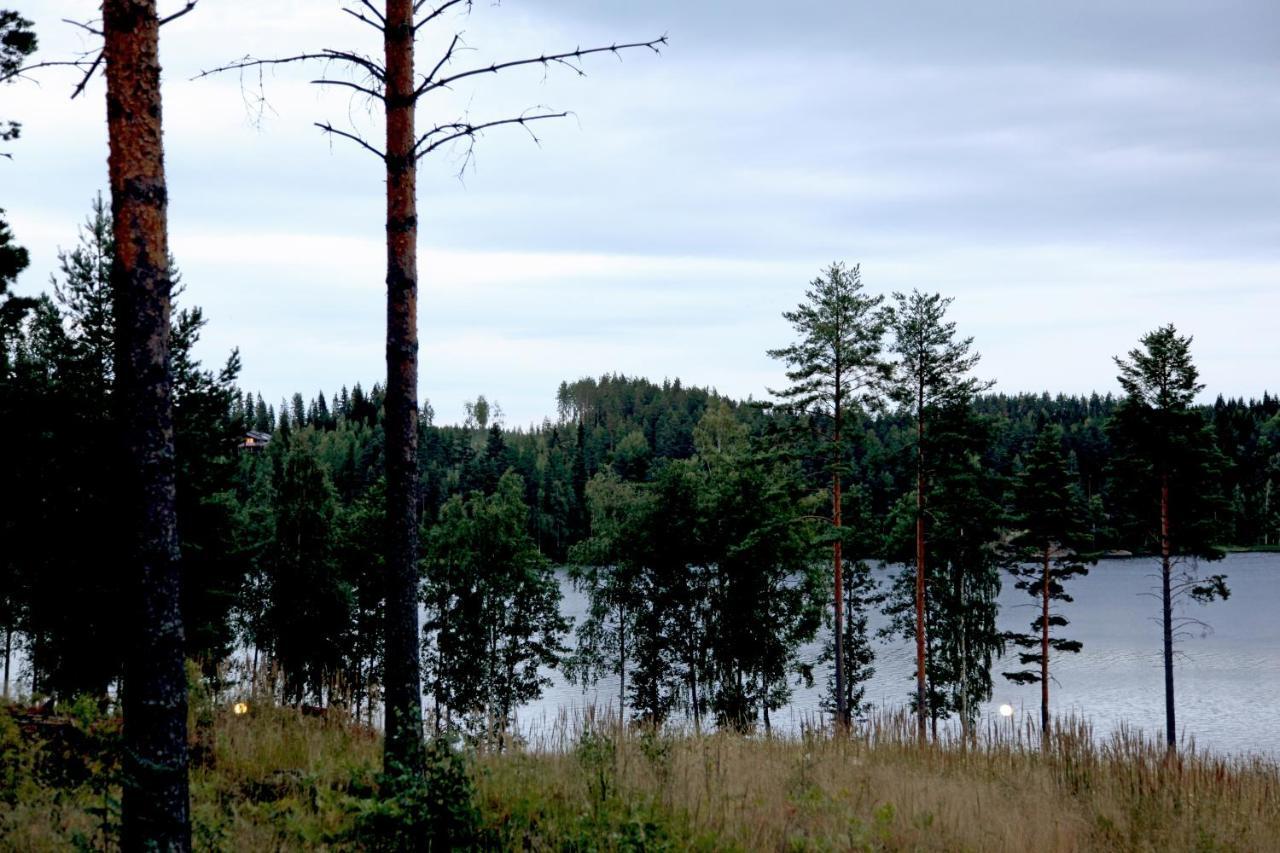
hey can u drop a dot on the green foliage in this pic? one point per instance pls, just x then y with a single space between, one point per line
493 610
432 810
1046 553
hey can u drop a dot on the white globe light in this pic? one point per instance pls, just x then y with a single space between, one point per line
240 708
1006 710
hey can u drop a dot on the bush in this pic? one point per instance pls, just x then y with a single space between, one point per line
433 811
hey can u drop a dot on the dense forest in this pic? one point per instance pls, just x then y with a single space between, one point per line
695 522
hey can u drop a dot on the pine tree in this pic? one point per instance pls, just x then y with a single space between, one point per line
932 375
1049 514
836 371
1167 474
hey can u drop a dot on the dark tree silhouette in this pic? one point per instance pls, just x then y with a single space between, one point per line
393 82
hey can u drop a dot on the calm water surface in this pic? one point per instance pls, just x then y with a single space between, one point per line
1227 681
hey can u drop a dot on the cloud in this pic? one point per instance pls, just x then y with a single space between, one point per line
1074 174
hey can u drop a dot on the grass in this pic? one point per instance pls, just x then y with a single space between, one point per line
276 780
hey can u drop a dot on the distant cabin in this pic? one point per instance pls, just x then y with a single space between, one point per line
254 440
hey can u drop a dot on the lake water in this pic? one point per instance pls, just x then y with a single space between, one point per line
1227 682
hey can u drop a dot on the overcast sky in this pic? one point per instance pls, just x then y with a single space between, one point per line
1074 174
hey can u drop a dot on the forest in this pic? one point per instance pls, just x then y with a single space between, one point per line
695 523
232 622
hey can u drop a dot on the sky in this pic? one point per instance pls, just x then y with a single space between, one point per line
1072 174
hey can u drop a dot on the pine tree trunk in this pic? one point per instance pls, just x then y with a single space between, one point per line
964 659
922 694
1044 652
403 751
1166 596
156 805
842 712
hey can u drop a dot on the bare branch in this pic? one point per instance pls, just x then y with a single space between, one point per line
359 17
444 60
325 81
328 128
191 4
87 28
458 130
327 54
437 12
565 59
377 13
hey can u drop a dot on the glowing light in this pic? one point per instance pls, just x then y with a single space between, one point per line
240 708
1006 710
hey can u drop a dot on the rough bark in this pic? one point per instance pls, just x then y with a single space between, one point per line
922 693
403 750
1166 595
156 810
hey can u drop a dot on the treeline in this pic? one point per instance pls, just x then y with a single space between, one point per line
696 524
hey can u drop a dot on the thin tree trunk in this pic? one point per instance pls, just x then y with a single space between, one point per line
922 694
1170 717
403 751
156 805
622 665
842 712
1044 652
964 659
8 649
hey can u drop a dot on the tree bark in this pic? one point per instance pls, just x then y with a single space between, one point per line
842 711
922 694
8 650
403 750
156 807
1166 596
1044 652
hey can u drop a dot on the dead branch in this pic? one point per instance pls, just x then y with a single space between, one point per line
191 4
326 54
435 13
458 130
328 128
567 59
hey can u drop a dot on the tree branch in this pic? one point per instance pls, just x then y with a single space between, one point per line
359 17
328 128
325 81
82 26
566 59
89 66
435 13
458 130
325 55
191 4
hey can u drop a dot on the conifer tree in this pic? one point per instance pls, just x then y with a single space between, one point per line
837 372
398 87
932 375
1167 472
1049 515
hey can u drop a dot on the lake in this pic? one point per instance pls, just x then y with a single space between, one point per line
1227 681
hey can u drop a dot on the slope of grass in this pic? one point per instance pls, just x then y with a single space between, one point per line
276 780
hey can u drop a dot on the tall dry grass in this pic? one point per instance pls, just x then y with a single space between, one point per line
277 780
